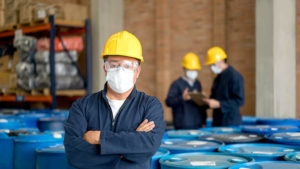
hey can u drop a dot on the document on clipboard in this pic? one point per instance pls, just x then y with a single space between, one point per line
198 98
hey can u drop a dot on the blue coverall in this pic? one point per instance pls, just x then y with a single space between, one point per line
121 146
186 114
228 89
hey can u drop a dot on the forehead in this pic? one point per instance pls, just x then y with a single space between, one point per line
121 58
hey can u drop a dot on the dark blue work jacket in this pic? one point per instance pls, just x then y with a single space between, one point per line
121 146
228 89
186 114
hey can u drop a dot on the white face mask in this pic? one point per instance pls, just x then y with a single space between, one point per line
216 69
120 79
191 74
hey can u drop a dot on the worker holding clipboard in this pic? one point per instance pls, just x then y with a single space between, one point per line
183 97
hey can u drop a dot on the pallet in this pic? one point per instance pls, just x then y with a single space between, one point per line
33 23
40 92
8 27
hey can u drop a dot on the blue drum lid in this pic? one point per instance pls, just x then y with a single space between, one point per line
203 160
295 156
229 138
186 133
249 120
286 138
161 152
268 165
19 131
266 129
59 148
221 129
52 119
181 144
277 121
259 149
38 137
10 124
33 115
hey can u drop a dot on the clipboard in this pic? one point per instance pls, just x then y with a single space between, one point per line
198 98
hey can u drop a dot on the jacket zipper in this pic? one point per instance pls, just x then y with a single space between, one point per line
111 113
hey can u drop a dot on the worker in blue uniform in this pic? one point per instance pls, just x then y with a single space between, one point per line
118 127
186 113
227 93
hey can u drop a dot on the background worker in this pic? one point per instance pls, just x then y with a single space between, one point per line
186 113
118 127
227 93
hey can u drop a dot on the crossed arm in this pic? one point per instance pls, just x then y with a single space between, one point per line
93 137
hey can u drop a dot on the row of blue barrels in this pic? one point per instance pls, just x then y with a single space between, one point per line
227 155
252 120
30 149
43 119
183 141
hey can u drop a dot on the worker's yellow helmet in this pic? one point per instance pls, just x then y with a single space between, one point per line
123 44
214 55
191 61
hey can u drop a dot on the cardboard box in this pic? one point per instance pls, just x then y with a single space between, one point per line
8 63
8 80
2 17
5 63
74 12
11 17
2 4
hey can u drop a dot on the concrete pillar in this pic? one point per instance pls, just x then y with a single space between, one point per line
106 19
162 44
276 58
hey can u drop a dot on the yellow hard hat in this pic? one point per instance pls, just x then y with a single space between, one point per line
124 44
190 61
214 55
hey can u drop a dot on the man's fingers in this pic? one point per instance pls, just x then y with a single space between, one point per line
149 128
146 127
149 124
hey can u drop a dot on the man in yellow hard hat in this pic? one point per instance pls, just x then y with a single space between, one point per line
227 93
118 127
186 113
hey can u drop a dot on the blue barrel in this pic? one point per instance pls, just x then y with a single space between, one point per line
266 129
159 154
234 138
268 165
249 120
290 138
53 123
186 134
176 146
295 156
60 113
222 129
202 161
25 145
260 151
277 121
209 122
30 119
6 153
7 145
10 124
52 157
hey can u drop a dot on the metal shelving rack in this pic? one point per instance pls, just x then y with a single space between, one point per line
74 28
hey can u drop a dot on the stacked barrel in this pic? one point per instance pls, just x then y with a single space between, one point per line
258 143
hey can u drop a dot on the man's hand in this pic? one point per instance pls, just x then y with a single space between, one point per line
186 95
146 126
92 137
212 103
